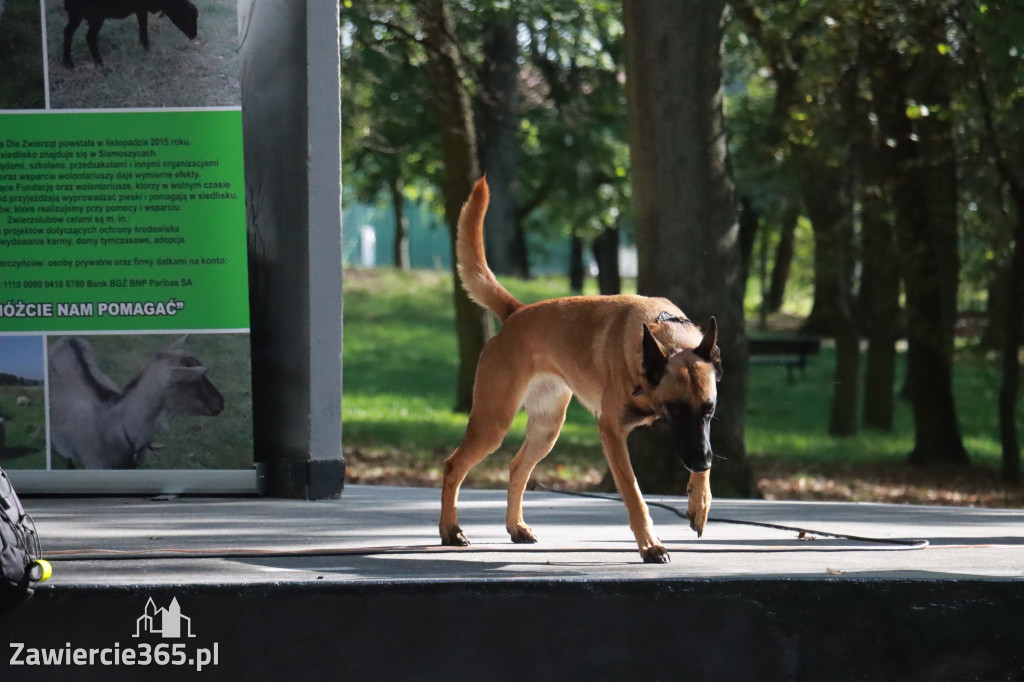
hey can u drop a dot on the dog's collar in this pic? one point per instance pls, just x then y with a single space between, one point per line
668 317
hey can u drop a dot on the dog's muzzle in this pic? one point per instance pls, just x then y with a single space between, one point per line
691 435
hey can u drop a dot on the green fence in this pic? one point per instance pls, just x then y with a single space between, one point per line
428 236
428 240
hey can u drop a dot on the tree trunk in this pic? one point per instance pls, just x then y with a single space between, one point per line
458 142
784 252
1006 314
749 219
577 266
843 416
995 295
1011 323
499 145
521 250
935 267
606 253
401 244
882 308
924 197
826 195
880 292
831 216
687 232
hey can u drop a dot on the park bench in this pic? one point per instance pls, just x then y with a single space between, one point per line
784 351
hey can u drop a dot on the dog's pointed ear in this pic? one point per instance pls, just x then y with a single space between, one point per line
655 359
710 340
708 348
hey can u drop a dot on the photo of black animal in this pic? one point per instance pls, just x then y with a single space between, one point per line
22 85
182 14
95 424
174 71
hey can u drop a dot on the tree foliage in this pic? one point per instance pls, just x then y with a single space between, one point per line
571 163
892 128
882 112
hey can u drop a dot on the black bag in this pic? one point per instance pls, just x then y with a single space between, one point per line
19 549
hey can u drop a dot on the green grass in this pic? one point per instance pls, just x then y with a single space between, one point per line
174 72
400 359
24 427
789 420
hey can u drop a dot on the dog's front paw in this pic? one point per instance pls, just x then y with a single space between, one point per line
454 537
655 554
522 534
699 503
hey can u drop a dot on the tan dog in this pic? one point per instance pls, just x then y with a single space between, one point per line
629 360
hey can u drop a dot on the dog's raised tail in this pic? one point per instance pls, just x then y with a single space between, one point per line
477 278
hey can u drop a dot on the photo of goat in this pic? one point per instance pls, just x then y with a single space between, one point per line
22 402
106 54
150 401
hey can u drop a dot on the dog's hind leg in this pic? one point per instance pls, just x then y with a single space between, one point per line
497 397
546 402
483 437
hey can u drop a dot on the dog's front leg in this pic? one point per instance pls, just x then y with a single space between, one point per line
614 441
699 490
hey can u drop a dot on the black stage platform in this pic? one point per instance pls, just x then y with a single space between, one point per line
358 589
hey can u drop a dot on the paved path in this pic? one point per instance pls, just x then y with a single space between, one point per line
388 534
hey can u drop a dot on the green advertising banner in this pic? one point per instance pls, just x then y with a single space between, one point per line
122 221
124 308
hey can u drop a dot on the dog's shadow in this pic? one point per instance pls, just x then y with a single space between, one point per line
414 565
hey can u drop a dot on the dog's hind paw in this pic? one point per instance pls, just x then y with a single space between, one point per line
655 554
454 537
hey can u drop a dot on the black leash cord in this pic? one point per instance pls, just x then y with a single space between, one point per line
906 544
240 553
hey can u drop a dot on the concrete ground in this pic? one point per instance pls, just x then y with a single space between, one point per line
389 535
358 588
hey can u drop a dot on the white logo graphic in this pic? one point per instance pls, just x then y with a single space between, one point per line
167 622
